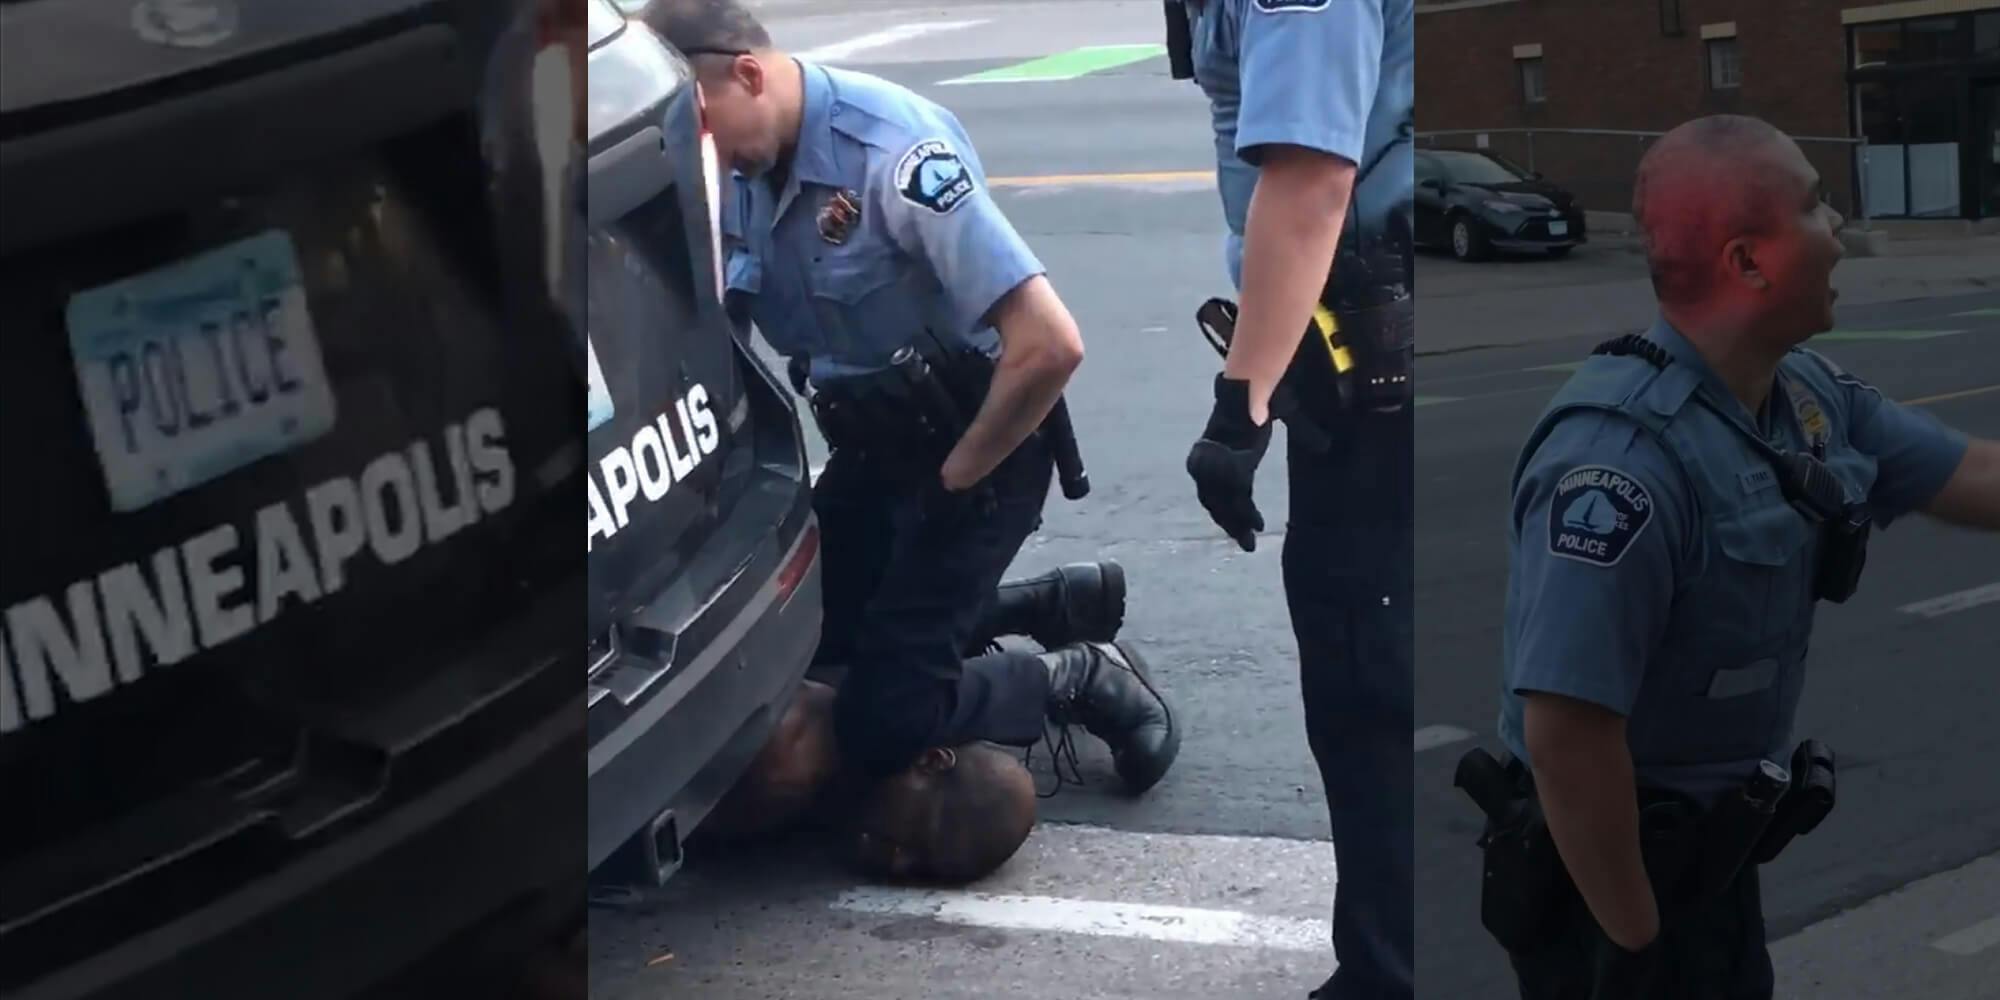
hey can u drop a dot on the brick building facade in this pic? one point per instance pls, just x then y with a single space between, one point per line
1919 80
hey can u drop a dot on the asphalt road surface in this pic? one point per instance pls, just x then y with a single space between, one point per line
1219 882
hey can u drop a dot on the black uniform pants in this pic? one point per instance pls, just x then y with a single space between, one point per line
1348 582
908 571
1714 951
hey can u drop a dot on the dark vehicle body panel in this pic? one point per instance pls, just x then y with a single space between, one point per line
704 600
299 791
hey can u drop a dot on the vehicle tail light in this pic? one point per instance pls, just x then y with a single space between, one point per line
795 569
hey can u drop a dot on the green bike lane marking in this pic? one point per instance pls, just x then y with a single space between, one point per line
1848 335
1069 65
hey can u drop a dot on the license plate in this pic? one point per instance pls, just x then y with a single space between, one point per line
197 369
601 409
1559 228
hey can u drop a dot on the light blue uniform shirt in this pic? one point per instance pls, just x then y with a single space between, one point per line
924 249
1656 567
1336 76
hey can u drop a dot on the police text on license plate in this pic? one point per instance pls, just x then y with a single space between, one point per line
194 370
1559 227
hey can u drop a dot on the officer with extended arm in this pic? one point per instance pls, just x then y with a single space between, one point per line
1686 500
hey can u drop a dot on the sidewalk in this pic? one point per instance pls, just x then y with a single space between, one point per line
1603 290
1938 938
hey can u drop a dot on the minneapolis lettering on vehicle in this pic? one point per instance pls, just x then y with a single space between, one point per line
109 630
658 457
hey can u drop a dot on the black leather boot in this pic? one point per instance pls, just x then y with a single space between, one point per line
1080 602
1105 687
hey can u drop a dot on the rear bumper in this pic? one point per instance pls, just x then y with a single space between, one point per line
680 751
484 865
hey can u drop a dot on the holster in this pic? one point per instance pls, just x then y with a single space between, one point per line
1521 876
1374 353
1810 800
909 415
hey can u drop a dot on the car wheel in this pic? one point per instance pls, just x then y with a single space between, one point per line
1466 243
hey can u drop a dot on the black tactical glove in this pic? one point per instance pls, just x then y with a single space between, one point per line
1224 462
1617 974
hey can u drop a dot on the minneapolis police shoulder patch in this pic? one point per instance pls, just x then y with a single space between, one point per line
932 175
1289 6
1596 513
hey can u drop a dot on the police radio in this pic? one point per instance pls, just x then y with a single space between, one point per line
1813 490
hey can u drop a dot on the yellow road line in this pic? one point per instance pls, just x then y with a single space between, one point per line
1961 394
1141 177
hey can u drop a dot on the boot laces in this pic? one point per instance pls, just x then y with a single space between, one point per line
1062 748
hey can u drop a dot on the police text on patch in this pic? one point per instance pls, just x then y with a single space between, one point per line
1596 513
932 176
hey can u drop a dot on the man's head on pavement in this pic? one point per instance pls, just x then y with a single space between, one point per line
954 816
751 90
1738 235
782 783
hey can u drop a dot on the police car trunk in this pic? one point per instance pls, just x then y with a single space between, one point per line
704 603
287 424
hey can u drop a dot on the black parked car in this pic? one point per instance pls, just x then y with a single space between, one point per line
704 553
289 474
1474 201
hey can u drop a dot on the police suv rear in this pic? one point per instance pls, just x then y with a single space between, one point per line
288 473
704 555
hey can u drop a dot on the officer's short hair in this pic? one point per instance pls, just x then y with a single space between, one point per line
1716 157
698 27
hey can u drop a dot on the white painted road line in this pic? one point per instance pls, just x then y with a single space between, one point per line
1178 924
1959 601
1432 737
1972 940
836 51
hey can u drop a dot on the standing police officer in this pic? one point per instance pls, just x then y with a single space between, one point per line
859 226
1312 110
1681 506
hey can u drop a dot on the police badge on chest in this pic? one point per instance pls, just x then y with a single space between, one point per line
838 216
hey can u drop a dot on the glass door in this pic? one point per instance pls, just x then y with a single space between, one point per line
1986 136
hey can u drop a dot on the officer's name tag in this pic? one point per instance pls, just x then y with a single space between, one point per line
1290 6
1596 513
1757 480
1736 682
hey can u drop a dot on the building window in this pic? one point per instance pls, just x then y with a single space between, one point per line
1531 80
1878 44
1912 157
1935 38
1670 18
1724 72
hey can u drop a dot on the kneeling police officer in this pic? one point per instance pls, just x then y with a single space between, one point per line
1683 504
861 241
